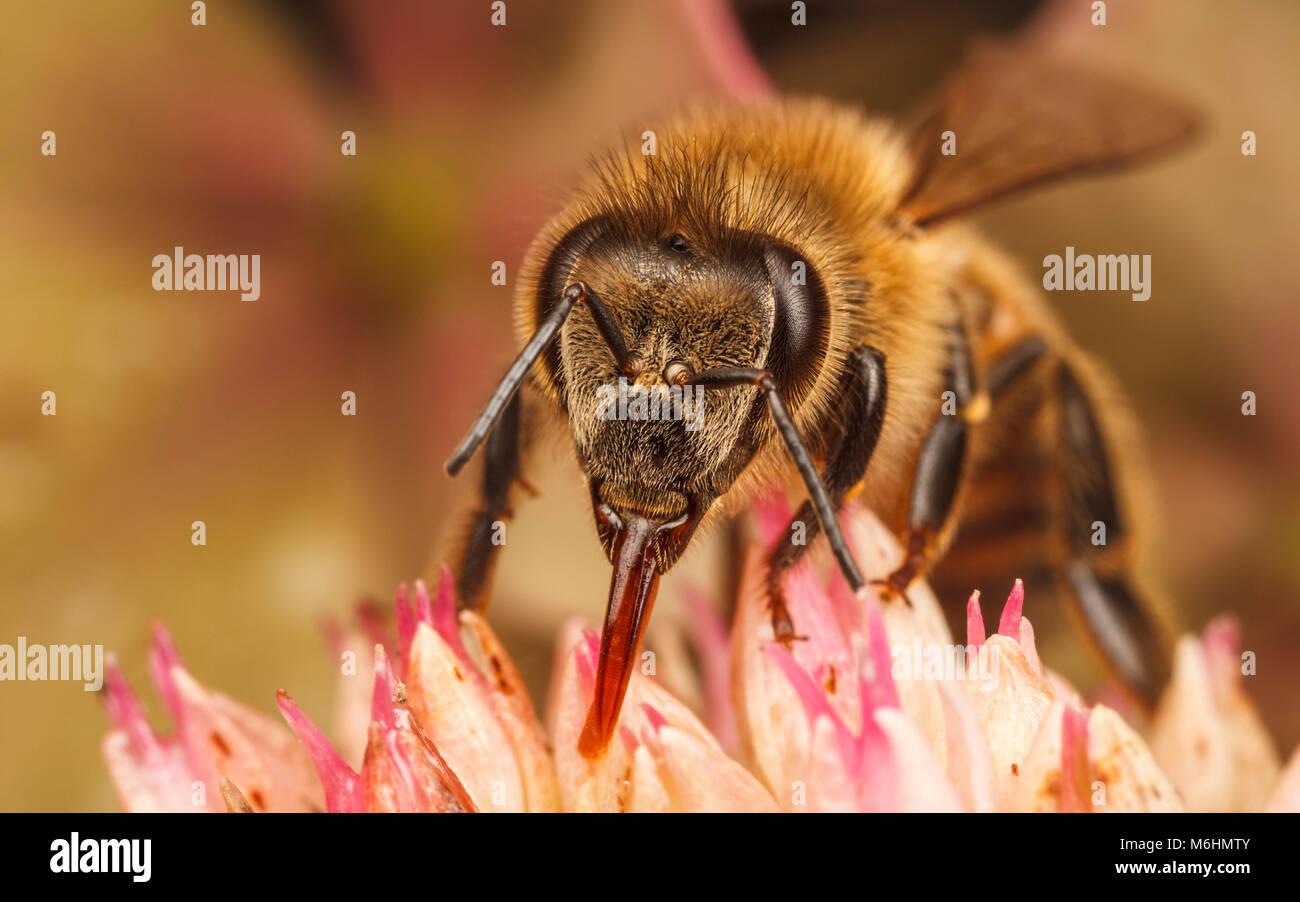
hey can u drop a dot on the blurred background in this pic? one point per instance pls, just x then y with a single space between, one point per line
175 407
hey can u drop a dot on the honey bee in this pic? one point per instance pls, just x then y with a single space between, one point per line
792 259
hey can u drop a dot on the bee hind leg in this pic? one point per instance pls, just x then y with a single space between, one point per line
863 388
1095 573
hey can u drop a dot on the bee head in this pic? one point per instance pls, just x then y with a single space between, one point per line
653 443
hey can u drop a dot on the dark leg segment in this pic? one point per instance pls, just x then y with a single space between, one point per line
731 376
941 465
577 293
498 425
1095 577
500 470
863 389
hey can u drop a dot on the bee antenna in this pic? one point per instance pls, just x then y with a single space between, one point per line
514 376
729 376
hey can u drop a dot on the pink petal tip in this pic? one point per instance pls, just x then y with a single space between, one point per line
1010 623
974 621
341 783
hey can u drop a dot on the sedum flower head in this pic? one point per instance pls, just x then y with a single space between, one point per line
873 709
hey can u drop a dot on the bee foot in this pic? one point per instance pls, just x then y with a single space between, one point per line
893 586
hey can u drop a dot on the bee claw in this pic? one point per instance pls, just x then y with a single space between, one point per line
782 624
893 586
788 640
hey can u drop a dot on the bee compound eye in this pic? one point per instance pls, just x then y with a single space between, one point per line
678 372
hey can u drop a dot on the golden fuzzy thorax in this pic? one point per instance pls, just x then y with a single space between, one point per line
819 178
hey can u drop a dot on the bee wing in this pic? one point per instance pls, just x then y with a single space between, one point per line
1019 118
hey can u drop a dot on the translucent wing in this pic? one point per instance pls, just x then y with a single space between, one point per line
1019 118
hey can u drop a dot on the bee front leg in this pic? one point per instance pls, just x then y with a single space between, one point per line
498 425
863 390
484 526
1096 571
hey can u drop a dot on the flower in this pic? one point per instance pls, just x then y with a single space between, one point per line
476 708
883 763
830 724
216 738
478 716
457 733
873 709
1007 688
402 769
1091 760
662 757
1206 733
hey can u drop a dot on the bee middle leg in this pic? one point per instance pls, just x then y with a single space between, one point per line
863 389
941 465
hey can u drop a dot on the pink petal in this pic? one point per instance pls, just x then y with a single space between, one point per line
1010 624
148 774
444 616
461 714
827 651
1221 640
586 654
125 712
966 751
162 659
423 607
713 647
381 707
403 773
1075 780
697 777
772 514
514 708
920 783
665 759
880 679
1119 756
1010 699
341 783
725 48
974 621
156 783
1206 733
1028 646
655 719
811 695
